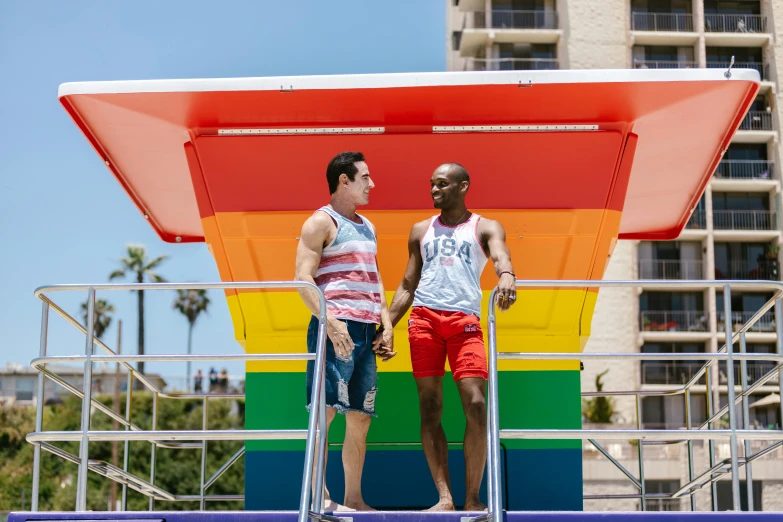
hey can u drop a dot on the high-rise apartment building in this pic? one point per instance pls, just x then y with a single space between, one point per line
735 232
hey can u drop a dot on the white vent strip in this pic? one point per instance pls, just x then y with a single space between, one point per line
302 130
515 128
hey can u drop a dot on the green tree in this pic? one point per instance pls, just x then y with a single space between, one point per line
191 303
177 471
599 410
101 316
138 267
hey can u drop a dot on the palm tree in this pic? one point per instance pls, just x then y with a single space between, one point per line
101 316
191 303
137 266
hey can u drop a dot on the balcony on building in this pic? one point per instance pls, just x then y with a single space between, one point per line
696 226
508 21
671 372
735 22
757 126
742 215
746 261
671 260
516 57
745 167
673 313
662 22
755 369
663 57
744 306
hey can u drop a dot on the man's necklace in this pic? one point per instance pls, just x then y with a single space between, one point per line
455 224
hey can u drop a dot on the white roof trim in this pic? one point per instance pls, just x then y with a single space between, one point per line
377 81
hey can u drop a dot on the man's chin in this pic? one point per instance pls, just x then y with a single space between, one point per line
437 204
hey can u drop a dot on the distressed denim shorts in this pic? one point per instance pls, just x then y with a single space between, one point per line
351 382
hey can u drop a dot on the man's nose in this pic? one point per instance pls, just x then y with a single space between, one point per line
372 184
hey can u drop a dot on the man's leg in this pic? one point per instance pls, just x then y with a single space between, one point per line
328 504
472 392
433 438
354 449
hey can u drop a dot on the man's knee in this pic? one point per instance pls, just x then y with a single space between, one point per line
358 422
431 407
476 409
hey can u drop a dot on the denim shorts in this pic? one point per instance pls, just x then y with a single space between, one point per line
351 382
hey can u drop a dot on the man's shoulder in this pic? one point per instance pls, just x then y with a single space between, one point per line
318 225
488 225
419 229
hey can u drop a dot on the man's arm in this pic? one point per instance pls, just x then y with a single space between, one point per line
383 345
315 232
494 237
403 297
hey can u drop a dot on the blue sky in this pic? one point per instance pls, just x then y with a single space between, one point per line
63 217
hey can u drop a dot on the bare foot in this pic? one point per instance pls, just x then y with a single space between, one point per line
332 506
474 505
445 504
357 505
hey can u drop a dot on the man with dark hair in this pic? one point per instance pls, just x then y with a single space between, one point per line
447 254
337 253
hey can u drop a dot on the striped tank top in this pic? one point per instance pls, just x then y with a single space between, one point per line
453 260
348 273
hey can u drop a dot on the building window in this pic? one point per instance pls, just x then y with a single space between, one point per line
24 389
668 412
724 495
662 487
746 7
671 372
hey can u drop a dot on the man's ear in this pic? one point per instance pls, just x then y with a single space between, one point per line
343 179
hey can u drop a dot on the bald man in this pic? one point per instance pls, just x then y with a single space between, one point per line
447 254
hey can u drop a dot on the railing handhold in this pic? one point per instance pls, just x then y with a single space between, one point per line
727 74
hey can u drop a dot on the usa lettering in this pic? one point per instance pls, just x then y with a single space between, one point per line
446 248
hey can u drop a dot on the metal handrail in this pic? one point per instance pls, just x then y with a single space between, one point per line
734 23
680 22
745 169
316 422
494 433
511 64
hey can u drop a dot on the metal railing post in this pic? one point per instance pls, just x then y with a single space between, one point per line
490 467
312 425
39 408
126 453
735 487
711 443
643 487
154 448
690 444
203 452
779 343
318 500
496 503
81 481
746 422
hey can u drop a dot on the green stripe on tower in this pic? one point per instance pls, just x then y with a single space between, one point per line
528 399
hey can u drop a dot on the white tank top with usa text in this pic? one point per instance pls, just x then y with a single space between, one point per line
452 264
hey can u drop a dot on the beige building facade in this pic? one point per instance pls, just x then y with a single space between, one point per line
735 233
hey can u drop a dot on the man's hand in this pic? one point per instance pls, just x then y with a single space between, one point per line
383 345
338 333
507 292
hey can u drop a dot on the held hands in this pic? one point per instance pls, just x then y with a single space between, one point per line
338 333
383 345
507 291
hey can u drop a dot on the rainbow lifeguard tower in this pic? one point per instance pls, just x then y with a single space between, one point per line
569 161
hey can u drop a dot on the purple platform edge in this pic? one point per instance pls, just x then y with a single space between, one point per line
394 516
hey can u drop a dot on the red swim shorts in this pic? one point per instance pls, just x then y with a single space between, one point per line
435 334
